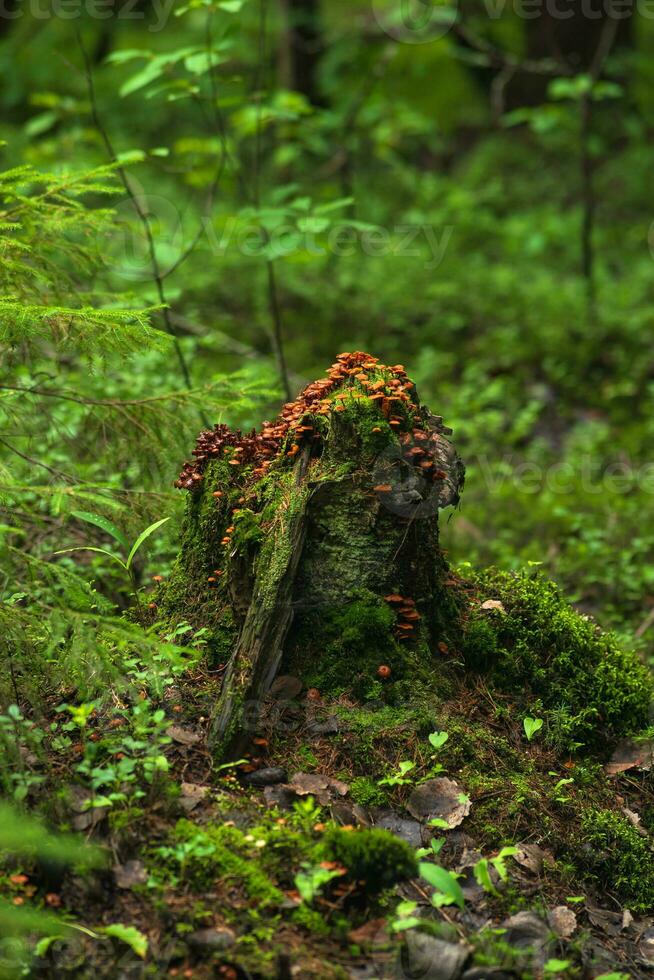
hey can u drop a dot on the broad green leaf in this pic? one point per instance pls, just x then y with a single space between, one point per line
448 889
99 521
231 6
314 225
142 537
129 935
200 62
127 54
343 202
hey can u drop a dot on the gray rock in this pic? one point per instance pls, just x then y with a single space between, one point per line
281 796
527 931
210 939
427 958
408 830
266 777
326 726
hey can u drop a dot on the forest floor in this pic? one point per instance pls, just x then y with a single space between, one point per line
213 876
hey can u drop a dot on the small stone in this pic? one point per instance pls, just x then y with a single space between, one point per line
526 930
404 828
281 796
269 776
327 727
432 959
210 939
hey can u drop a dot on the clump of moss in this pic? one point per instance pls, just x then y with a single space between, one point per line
365 791
613 851
201 855
376 857
536 643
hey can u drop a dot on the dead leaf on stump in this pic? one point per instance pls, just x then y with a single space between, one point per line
631 755
322 787
441 799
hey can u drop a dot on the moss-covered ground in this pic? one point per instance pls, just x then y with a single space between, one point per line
237 881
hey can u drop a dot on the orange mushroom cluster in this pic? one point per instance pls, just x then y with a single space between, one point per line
390 390
406 613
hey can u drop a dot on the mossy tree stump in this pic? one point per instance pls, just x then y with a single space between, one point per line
312 546
311 549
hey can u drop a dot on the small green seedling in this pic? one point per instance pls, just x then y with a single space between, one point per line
434 849
399 778
482 869
532 726
438 739
404 917
312 880
556 966
559 796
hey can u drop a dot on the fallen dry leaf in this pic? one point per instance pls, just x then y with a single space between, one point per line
631 755
192 794
441 799
532 857
563 921
183 736
285 687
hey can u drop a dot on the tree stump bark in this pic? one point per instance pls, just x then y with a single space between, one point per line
316 539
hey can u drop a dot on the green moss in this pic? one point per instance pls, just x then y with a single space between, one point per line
614 853
203 854
355 640
311 920
376 857
365 791
540 648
